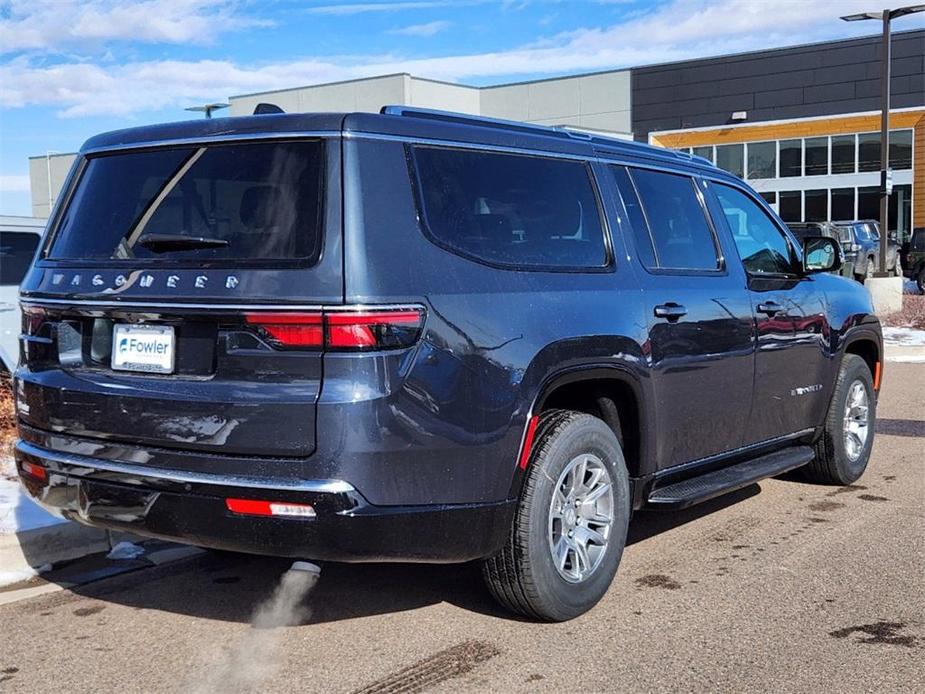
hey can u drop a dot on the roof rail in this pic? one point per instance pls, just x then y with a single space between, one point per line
467 119
561 131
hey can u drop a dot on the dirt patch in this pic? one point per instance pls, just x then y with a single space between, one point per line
912 314
847 488
878 632
87 611
814 519
825 506
453 662
658 581
872 497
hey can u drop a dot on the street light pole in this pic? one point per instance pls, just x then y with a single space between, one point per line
886 16
885 59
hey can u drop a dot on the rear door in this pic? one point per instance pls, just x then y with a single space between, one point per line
700 328
791 365
177 301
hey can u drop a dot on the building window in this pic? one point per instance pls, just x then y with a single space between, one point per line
816 206
762 160
842 204
706 152
730 158
900 219
869 152
869 202
817 156
900 149
770 197
790 205
843 154
791 158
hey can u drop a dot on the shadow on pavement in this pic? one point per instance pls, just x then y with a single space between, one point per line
227 587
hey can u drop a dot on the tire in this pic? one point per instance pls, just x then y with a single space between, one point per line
524 576
920 281
838 461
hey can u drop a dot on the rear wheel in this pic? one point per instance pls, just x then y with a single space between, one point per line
843 450
570 527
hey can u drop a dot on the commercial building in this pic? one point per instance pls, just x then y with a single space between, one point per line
800 123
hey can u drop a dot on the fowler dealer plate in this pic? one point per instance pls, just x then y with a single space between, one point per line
143 348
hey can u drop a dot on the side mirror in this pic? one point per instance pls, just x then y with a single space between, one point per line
821 254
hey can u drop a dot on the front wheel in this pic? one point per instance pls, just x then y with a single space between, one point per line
844 449
570 527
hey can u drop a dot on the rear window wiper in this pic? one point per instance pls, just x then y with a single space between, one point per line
164 243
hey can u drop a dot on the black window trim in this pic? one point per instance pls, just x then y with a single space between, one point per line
80 167
609 265
789 236
721 268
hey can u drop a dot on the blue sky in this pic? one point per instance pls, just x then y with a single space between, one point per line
72 68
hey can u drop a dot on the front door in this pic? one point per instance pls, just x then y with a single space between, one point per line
700 329
791 365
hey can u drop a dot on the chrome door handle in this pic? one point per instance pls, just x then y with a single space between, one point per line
670 311
770 308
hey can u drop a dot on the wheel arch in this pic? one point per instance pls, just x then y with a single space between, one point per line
609 392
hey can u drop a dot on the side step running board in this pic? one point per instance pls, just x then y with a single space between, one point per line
693 491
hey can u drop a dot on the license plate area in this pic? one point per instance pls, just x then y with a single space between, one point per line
146 348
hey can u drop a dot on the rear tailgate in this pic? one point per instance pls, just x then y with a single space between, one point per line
152 314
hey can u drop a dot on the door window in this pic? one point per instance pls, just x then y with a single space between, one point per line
677 221
762 245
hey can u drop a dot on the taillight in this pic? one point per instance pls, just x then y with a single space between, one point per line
373 330
32 319
34 471
348 329
257 507
298 330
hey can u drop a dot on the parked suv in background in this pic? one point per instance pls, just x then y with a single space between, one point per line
423 336
913 258
861 241
803 230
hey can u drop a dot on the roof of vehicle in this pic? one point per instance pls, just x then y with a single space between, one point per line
399 121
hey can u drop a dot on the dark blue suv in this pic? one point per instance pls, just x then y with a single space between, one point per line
422 336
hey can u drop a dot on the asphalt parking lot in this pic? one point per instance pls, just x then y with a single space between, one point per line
783 586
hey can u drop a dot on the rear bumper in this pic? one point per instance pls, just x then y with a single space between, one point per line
189 507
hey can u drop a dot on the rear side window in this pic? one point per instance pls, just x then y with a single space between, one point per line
16 251
242 202
511 210
677 222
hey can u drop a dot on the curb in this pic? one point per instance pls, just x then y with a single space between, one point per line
910 354
50 544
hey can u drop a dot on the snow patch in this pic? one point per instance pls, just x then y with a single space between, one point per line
19 513
9 577
907 337
126 550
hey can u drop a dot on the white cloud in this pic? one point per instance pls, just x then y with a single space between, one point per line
57 25
428 29
681 30
364 7
14 183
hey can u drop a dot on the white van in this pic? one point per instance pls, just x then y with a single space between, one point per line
19 237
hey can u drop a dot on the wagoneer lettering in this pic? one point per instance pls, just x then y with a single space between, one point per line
419 336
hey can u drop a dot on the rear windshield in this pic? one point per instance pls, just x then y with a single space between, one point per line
241 202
